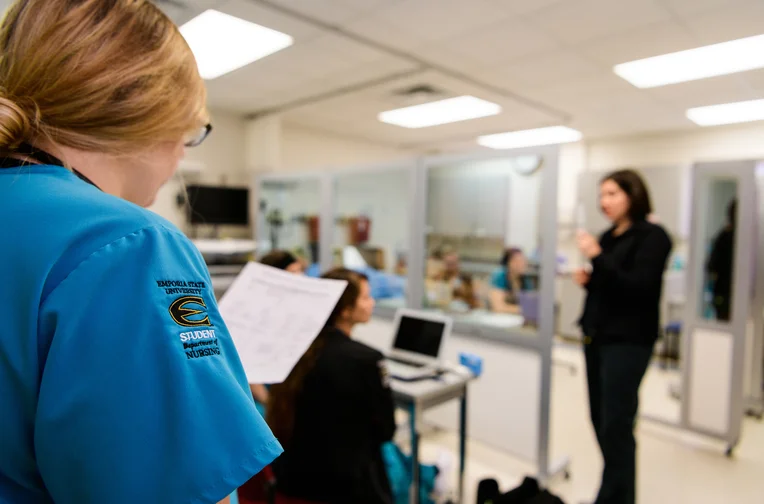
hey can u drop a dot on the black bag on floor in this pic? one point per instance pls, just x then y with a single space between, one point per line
546 498
528 492
488 490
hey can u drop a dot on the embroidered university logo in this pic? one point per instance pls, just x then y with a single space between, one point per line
190 311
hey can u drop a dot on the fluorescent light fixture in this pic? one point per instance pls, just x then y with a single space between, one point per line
693 64
222 43
434 113
531 138
727 113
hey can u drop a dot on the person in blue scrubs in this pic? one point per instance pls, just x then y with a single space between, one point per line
119 381
508 281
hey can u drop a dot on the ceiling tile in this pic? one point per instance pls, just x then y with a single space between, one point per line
728 23
755 80
527 6
378 70
434 20
502 42
577 95
628 112
368 5
328 11
610 126
270 18
384 33
652 40
440 56
724 89
179 12
574 22
349 50
695 7
547 69
308 62
305 89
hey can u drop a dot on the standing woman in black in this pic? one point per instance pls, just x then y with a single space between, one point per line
621 322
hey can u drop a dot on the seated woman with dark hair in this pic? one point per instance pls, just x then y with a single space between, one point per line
508 281
283 260
335 410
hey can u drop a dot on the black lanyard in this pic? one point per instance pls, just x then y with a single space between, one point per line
40 156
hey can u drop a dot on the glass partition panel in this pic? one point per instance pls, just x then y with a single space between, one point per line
719 242
371 234
288 218
482 241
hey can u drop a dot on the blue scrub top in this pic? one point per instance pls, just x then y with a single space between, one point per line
119 381
499 281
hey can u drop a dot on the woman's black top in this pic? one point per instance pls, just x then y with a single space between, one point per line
343 415
720 263
624 292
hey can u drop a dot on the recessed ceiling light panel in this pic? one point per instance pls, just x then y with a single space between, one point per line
727 113
693 64
439 112
531 138
223 43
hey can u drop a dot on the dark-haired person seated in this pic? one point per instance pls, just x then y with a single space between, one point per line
508 281
283 260
335 410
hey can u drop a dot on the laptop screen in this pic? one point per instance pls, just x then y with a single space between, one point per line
419 336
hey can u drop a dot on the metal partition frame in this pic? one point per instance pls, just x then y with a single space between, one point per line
703 173
539 343
755 400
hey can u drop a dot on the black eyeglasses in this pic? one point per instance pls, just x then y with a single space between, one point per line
196 139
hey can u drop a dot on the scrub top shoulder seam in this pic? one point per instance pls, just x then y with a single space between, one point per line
157 226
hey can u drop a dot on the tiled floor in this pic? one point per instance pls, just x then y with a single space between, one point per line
674 467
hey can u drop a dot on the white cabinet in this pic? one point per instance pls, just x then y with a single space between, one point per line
467 204
492 205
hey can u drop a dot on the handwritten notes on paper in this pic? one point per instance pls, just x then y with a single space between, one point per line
273 317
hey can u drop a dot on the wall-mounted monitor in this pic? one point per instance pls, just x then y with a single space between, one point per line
218 205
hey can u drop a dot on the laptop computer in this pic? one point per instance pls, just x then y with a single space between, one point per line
416 347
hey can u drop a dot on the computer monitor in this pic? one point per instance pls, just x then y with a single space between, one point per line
420 334
218 205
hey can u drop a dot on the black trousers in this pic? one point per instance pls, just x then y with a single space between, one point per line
722 307
614 373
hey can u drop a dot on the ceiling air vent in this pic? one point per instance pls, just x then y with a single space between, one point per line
414 95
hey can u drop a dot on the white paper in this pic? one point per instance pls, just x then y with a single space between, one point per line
273 317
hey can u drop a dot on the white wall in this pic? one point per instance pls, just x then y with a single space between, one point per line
383 198
308 149
222 156
295 199
701 144
486 198
225 156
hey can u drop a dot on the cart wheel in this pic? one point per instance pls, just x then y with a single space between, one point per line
729 452
566 475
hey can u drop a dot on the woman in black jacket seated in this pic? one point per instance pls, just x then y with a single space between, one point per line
335 410
621 322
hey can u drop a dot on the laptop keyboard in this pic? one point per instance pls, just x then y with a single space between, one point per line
406 362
